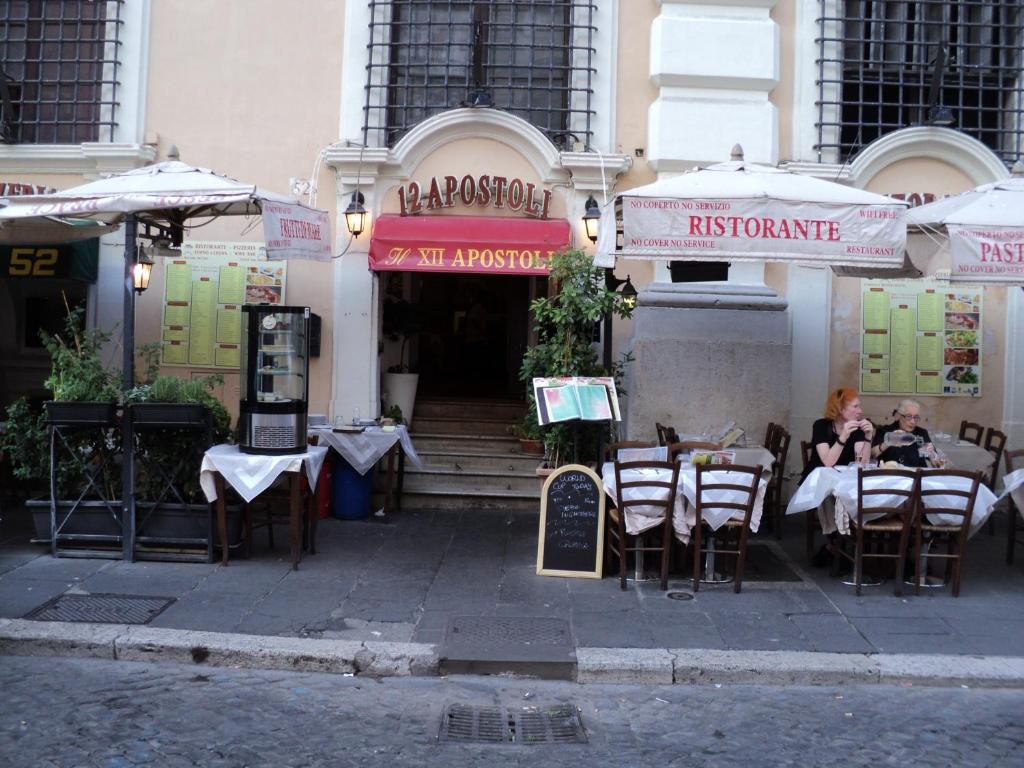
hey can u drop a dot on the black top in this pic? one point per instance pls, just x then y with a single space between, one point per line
907 455
824 431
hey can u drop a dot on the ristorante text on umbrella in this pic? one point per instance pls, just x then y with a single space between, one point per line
763 227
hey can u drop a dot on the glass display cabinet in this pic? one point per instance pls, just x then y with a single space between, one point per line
274 379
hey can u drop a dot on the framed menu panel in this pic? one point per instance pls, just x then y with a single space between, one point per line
204 291
920 337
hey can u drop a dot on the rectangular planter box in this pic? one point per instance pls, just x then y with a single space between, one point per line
91 518
184 525
169 414
70 413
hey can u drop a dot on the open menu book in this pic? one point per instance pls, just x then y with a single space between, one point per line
587 398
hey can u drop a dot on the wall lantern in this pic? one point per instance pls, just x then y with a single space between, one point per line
141 271
628 295
355 215
592 218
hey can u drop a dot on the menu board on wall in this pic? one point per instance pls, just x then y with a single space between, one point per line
920 337
204 291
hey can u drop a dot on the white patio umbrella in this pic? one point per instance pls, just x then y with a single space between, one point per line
164 195
980 233
47 229
739 211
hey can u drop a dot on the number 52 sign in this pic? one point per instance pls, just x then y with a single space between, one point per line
77 261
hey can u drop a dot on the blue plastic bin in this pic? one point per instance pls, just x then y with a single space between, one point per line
350 497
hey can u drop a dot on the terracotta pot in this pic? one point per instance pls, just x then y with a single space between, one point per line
531 447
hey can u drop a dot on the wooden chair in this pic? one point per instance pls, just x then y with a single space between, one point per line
674 449
773 496
737 528
666 434
971 432
897 522
1014 461
955 535
611 451
995 443
771 436
811 521
658 492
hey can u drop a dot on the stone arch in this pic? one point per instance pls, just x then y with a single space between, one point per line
466 123
967 154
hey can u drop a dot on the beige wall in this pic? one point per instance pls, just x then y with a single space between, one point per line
945 413
784 14
257 101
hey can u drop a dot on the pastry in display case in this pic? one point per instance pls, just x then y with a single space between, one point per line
274 379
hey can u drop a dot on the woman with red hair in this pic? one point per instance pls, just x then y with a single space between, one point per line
842 437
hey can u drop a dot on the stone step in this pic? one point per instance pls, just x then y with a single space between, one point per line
457 461
502 410
463 426
471 481
431 441
472 501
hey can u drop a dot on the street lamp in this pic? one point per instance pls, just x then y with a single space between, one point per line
628 293
592 218
355 215
141 271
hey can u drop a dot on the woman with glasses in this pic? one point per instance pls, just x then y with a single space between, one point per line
904 441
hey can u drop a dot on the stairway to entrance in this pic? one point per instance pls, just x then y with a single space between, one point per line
470 461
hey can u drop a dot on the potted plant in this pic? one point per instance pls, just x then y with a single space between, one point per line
530 435
85 480
565 326
174 421
399 383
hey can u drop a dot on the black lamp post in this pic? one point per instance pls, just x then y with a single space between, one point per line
629 294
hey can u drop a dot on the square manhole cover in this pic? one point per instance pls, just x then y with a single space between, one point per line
555 724
101 609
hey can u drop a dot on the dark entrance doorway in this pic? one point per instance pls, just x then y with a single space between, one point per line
472 332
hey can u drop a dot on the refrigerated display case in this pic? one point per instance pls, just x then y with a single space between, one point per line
275 379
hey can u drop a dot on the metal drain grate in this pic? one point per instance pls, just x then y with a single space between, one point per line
524 631
101 609
557 724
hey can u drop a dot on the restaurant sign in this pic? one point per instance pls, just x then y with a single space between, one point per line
477 244
987 254
737 230
504 192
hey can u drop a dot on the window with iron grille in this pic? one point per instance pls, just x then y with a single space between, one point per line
59 70
533 58
890 64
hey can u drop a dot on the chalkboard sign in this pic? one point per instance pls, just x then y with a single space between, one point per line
571 536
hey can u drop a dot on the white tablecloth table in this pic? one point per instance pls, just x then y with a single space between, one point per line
966 456
639 519
840 483
364 449
252 474
1013 486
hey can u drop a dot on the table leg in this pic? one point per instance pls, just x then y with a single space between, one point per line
401 477
389 484
222 517
295 516
313 510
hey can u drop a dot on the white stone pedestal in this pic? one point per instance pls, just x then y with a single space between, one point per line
706 354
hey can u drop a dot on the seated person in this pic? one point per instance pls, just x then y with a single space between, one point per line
908 416
843 436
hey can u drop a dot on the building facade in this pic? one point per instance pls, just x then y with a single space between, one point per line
417 108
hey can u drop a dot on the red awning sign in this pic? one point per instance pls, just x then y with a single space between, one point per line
477 244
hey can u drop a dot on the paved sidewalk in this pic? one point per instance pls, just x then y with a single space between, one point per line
401 581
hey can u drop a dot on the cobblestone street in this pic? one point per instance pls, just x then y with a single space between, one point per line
61 712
